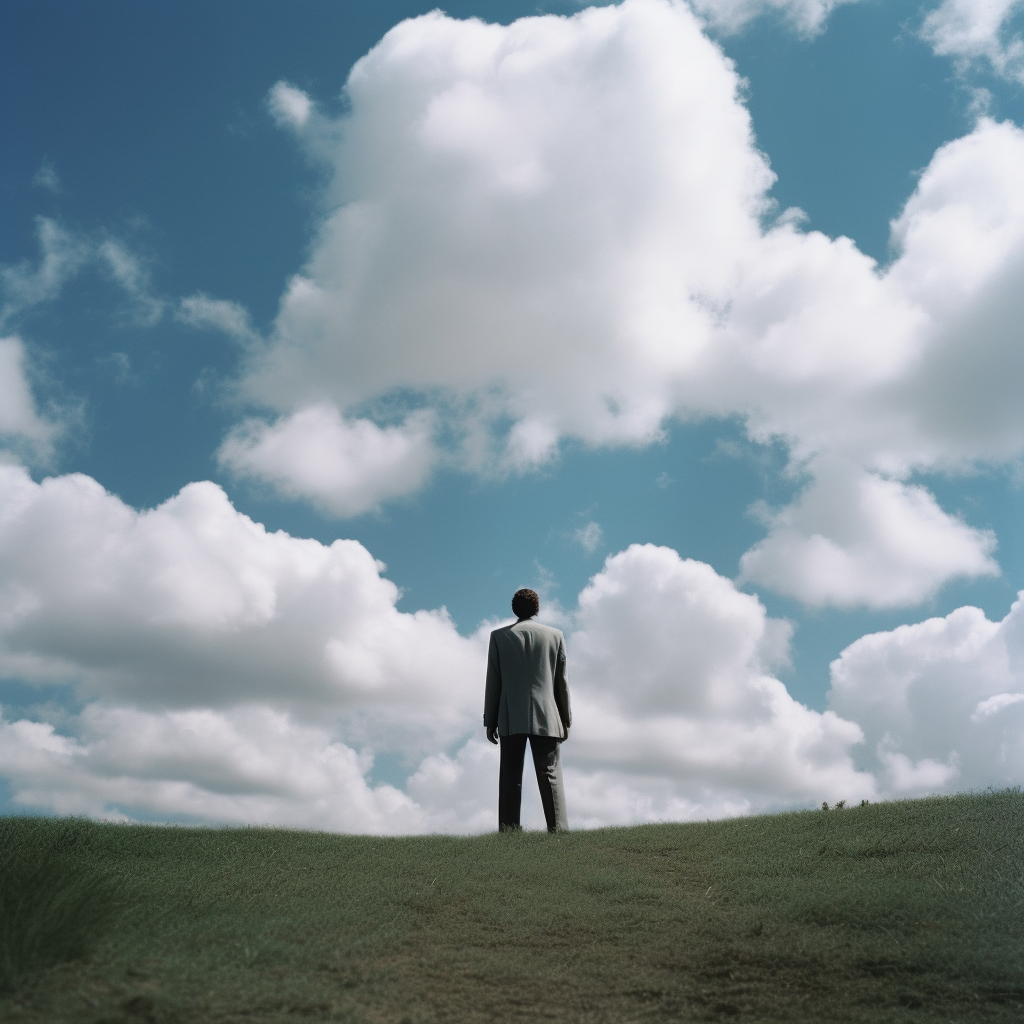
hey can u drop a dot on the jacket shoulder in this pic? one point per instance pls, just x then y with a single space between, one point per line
529 626
544 630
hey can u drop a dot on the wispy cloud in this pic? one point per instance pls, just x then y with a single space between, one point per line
63 254
806 17
47 178
230 318
23 428
589 536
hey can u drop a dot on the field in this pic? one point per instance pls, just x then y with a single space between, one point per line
910 911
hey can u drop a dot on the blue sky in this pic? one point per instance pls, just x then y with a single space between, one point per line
188 161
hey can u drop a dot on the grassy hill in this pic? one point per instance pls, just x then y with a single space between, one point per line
909 911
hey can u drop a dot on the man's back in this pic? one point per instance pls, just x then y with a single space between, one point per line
527 689
527 701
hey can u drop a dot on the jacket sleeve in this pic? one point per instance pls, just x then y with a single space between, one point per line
492 693
562 686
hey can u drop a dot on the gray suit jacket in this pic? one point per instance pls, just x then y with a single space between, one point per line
527 689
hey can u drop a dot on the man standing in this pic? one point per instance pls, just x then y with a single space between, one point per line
527 697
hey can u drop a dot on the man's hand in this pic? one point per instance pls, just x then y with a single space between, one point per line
492 734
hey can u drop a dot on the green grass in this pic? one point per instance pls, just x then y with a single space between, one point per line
908 911
53 902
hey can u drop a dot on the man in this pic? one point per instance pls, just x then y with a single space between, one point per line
527 697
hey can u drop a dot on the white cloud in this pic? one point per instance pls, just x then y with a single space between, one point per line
231 318
910 368
345 467
993 705
128 271
246 766
962 241
191 604
63 255
21 425
854 538
924 376
555 229
977 30
807 17
523 212
673 700
532 442
589 536
289 105
459 793
941 702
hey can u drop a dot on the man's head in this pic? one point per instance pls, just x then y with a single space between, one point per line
525 604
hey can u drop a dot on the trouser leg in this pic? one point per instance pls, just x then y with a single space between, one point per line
547 762
510 781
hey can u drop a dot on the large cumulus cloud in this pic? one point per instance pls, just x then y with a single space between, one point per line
193 604
563 228
520 209
243 766
676 689
941 702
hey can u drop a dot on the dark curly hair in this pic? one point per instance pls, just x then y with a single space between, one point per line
525 603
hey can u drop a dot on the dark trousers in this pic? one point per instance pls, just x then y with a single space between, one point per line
548 765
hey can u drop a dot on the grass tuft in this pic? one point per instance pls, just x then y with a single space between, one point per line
55 903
